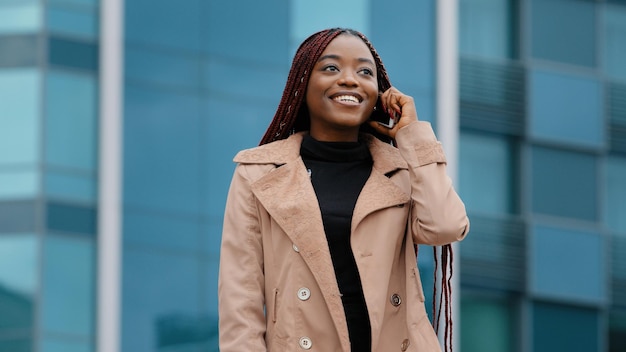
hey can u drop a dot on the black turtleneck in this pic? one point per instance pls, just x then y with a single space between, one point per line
338 172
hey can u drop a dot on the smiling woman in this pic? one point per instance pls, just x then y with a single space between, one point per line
342 90
322 220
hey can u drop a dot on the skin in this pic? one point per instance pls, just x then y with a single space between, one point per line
347 68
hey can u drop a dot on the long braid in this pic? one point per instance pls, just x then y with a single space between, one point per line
447 257
292 114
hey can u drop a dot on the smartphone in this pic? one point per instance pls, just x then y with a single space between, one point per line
383 118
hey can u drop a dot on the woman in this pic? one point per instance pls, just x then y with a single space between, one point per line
322 219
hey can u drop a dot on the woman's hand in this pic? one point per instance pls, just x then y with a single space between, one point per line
399 104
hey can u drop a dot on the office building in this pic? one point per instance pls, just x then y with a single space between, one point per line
541 161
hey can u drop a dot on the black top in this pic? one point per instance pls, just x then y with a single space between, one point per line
338 172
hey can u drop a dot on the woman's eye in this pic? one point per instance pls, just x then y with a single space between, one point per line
367 71
331 68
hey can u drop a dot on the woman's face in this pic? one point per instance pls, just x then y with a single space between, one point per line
342 90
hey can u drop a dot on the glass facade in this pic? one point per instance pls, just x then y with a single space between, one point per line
560 160
542 159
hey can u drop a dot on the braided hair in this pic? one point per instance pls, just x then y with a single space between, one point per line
292 114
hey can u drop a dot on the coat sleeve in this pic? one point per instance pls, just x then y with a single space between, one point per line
437 213
241 284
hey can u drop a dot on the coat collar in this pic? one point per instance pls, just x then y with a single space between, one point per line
387 159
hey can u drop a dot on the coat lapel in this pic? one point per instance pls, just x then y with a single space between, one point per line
380 191
288 196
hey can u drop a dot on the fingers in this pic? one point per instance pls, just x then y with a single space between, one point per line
401 104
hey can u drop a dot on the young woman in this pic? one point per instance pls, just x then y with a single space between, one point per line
322 219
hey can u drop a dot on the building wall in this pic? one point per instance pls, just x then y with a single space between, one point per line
542 149
542 160
48 168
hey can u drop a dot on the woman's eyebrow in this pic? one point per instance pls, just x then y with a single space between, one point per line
337 57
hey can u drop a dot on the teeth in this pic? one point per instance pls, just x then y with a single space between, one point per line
350 98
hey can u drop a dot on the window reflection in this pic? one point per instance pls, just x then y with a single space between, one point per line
71 120
488 324
20 17
487 169
171 315
68 301
308 17
571 39
615 37
18 281
567 108
558 327
564 183
20 102
486 28
615 189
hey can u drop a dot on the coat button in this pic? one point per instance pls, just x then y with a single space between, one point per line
405 345
304 294
395 300
305 343
295 248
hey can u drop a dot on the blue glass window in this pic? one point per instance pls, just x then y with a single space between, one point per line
69 21
77 186
16 345
617 331
85 3
487 174
20 100
19 50
161 230
212 273
18 183
308 17
615 191
212 229
615 37
154 301
71 120
73 54
568 255
18 281
18 216
486 28
488 325
71 218
259 83
564 184
269 46
252 121
566 108
564 328
56 345
68 301
175 69
20 17
162 139
412 67
570 40
170 24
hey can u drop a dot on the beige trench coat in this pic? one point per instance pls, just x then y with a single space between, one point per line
277 286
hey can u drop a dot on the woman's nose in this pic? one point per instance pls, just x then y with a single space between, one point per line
347 79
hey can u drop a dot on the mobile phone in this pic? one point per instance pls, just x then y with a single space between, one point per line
383 118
